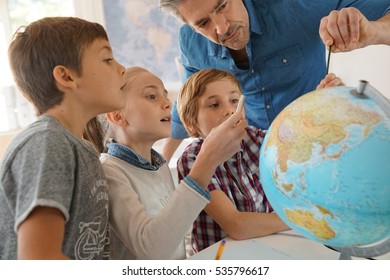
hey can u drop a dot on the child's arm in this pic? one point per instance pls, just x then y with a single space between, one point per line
41 235
238 225
242 225
150 236
330 80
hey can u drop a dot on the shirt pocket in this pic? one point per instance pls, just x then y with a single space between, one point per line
284 58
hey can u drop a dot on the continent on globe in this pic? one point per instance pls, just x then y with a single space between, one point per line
321 229
318 123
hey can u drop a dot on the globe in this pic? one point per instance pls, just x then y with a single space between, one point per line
325 166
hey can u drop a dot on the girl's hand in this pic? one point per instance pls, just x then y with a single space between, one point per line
220 145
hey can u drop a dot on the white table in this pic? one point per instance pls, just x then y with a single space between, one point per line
287 245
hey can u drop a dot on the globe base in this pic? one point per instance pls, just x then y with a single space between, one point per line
368 252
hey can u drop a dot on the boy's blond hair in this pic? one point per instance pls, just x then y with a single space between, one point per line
41 46
192 90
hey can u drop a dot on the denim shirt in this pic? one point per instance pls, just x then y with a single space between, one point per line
128 155
286 55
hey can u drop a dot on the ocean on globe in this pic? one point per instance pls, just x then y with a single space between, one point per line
325 167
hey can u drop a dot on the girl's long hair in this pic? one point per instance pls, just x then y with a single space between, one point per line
94 132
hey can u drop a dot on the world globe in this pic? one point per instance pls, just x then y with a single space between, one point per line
325 166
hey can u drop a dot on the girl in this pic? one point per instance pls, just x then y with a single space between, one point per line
149 218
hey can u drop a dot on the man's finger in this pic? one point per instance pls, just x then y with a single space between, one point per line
354 24
333 29
343 27
324 34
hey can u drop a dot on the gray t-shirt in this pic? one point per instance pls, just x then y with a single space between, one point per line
45 165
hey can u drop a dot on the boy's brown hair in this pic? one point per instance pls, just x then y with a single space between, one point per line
195 87
44 44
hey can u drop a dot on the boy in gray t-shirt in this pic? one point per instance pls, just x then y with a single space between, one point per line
53 193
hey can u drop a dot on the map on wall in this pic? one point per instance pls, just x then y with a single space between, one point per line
143 35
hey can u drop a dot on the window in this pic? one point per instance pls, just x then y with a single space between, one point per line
15 111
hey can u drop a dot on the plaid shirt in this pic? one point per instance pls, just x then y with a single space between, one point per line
238 178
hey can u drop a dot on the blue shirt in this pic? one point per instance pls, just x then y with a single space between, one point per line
286 55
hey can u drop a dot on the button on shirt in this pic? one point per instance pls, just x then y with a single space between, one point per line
286 55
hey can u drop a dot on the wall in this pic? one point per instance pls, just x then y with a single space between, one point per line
141 34
371 64
5 139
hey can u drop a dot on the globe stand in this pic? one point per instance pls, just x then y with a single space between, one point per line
365 90
368 252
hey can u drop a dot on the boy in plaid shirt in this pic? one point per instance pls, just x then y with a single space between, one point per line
238 206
